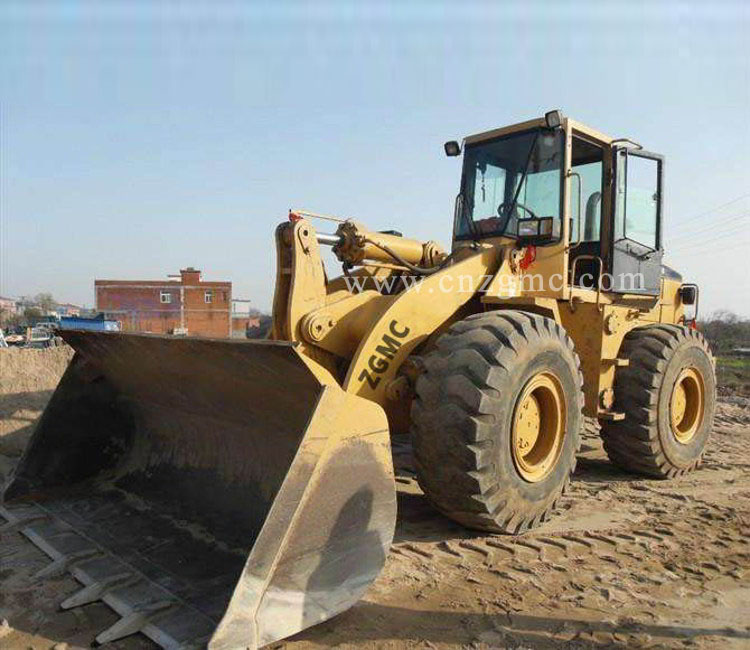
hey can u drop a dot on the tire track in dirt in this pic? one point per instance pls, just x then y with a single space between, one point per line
625 562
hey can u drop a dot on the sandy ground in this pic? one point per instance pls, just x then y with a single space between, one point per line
626 562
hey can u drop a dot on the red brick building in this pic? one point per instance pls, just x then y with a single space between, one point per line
187 306
242 323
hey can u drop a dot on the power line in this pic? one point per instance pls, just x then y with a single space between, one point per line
716 209
711 226
710 240
735 229
720 235
731 247
707 242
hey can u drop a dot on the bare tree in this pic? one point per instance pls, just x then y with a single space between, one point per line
45 301
726 331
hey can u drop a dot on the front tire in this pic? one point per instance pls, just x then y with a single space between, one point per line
668 395
496 420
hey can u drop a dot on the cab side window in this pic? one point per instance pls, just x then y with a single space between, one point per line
638 200
635 255
587 162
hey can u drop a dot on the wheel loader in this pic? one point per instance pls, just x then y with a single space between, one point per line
228 494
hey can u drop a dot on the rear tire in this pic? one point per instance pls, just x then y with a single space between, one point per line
477 459
668 395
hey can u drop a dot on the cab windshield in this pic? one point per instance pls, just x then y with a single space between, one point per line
516 176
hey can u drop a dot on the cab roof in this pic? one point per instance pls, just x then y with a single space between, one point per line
577 127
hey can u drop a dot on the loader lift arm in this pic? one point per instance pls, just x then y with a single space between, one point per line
364 338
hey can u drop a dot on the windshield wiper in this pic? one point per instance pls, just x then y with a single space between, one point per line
512 204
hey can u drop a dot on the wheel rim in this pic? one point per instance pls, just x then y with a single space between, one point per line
687 404
538 427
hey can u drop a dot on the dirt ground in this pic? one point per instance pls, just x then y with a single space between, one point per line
626 562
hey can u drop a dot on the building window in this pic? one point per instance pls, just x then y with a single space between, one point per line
208 296
165 297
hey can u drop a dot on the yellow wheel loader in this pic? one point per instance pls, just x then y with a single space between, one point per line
228 493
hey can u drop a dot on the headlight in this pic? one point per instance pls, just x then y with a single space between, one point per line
536 227
553 119
452 148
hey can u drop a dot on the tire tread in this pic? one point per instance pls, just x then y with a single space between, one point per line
454 455
633 443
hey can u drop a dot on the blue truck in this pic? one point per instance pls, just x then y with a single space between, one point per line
96 324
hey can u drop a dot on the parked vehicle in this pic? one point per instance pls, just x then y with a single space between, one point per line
40 337
15 336
96 324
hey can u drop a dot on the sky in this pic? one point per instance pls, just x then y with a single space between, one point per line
139 138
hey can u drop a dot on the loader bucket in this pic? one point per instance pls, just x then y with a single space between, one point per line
213 493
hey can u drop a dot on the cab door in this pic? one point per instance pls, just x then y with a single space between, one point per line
636 251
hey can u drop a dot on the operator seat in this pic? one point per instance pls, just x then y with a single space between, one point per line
590 245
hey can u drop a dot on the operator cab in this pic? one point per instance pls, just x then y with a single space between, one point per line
522 182
509 180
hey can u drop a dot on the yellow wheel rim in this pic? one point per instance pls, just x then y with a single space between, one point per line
538 427
687 404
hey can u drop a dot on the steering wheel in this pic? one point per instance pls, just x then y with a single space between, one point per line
517 205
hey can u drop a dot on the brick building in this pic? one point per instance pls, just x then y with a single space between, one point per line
244 318
8 305
187 305
66 309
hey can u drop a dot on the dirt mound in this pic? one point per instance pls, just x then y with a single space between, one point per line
24 370
27 379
